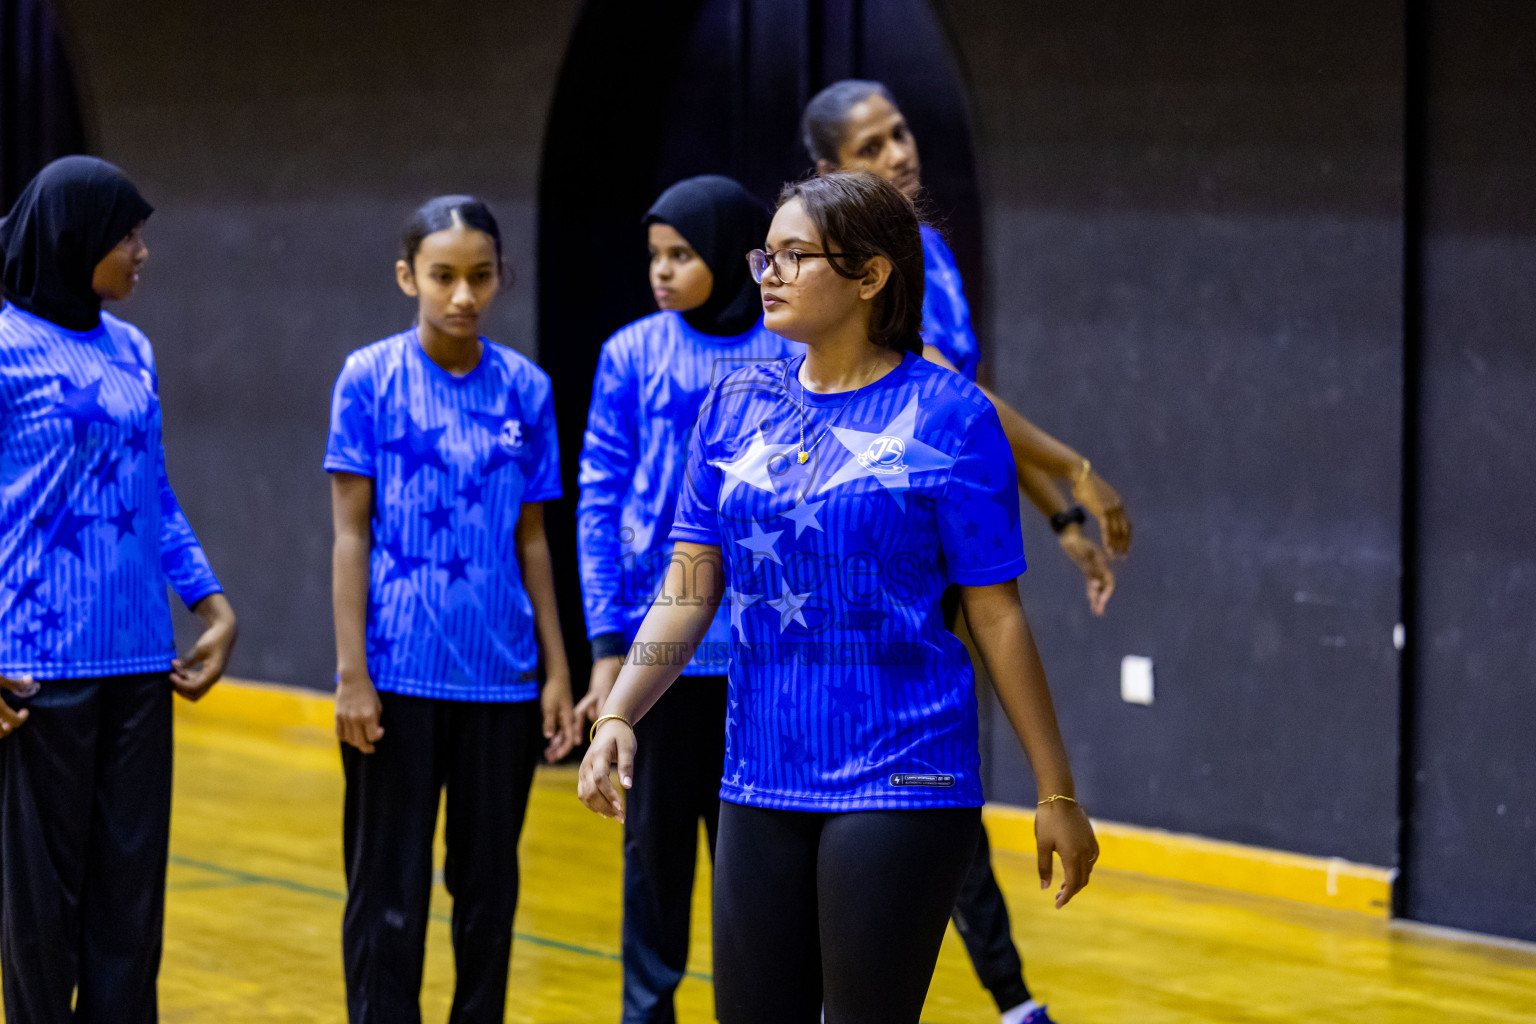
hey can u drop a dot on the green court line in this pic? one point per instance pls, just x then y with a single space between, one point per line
237 876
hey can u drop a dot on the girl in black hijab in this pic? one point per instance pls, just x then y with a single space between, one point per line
90 535
652 378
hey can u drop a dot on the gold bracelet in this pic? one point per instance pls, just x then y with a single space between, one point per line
592 732
1058 796
1083 471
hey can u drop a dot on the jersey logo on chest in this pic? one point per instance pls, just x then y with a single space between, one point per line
511 436
886 454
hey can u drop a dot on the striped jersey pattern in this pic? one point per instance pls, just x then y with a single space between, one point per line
453 460
90 530
847 692
651 379
946 314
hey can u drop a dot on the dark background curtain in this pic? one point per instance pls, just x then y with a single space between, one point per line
40 118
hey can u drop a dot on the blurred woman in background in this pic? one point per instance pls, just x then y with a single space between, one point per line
90 534
652 377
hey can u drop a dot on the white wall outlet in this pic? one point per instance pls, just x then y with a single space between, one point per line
1136 679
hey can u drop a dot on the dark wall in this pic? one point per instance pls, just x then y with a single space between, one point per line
40 111
1471 833
283 150
725 82
1195 261
1195 246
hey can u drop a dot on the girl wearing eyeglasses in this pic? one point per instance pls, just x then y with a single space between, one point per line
830 500
856 126
652 377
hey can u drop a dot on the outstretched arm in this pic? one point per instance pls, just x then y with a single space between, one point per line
608 460
1034 447
679 618
1089 558
997 623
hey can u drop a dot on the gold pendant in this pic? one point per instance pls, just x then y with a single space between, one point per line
804 456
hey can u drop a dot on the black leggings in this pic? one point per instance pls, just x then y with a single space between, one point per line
842 911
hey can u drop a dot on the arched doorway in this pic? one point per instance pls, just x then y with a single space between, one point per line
656 92
40 117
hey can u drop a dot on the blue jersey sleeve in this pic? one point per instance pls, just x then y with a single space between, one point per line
698 519
978 511
544 472
608 458
350 448
946 313
182 558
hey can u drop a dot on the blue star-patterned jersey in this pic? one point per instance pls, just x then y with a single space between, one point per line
453 460
90 531
846 690
651 379
946 314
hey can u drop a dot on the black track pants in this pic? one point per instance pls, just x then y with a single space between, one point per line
485 755
85 819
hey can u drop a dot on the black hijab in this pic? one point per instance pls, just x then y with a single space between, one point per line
722 221
67 218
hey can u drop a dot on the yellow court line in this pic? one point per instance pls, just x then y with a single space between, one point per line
1321 881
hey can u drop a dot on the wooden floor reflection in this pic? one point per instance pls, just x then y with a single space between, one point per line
254 914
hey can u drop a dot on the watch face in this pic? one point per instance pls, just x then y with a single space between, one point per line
1061 520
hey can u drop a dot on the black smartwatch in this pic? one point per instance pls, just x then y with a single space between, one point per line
1061 520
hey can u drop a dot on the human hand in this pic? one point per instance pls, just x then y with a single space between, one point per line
358 710
1103 503
1062 827
10 718
614 744
605 672
559 721
1092 563
194 674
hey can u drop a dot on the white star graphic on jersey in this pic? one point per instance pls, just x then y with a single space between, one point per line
739 603
750 466
789 604
763 545
803 516
889 455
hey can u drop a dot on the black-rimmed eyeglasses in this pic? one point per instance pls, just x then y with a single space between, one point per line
785 262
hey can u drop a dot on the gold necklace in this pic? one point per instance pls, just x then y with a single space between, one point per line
805 453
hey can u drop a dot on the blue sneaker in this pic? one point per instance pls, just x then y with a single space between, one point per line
1034 1016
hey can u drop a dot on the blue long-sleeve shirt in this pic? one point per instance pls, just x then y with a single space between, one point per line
946 314
90 530
652 378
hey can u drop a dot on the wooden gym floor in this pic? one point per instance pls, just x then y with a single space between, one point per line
255 899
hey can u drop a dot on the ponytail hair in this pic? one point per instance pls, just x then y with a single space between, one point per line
446 212
861 215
